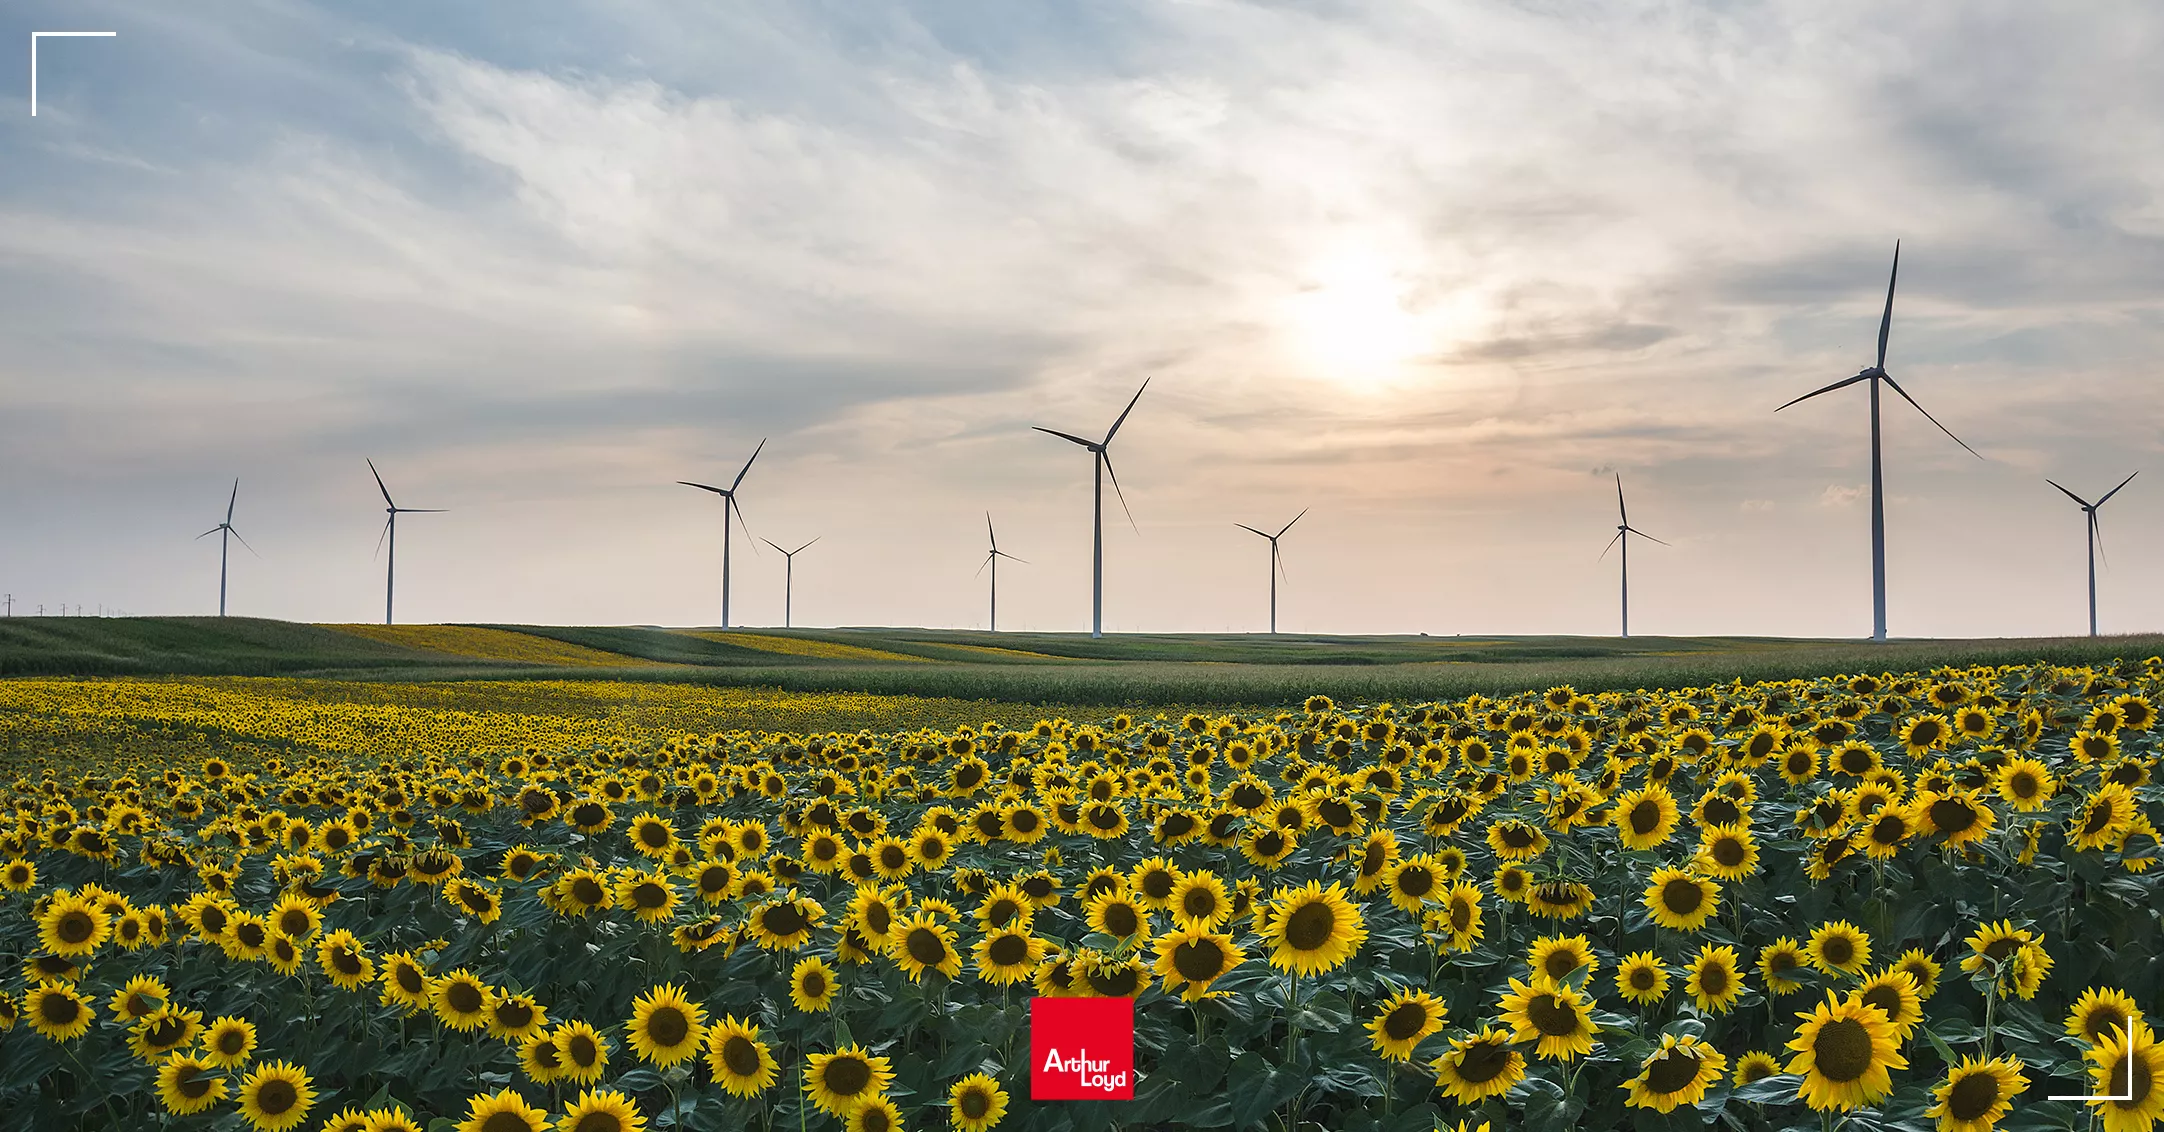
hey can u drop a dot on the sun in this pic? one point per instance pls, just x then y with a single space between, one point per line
1351 323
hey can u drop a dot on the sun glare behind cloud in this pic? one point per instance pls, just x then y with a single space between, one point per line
1351 325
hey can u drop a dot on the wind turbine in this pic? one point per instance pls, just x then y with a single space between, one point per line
226 534
1276 567
1875 374
1100 449
729 504
2095 537
1623 531
992 559
390 532
788 584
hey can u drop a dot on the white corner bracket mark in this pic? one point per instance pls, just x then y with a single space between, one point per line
34 37
2128 1046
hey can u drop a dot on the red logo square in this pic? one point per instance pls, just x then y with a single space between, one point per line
1081 1049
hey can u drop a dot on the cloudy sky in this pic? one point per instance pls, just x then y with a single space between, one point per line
1436 271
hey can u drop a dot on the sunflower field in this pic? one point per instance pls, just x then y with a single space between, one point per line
1896 901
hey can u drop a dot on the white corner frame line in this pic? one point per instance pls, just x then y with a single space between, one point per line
2128 1046
37 35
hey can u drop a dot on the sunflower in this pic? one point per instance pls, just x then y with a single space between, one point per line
1005 905
1886 829
1918 965
1557 1018
1266 847
1117 915
1106 975
976 1103
461 999
1960 816
1152 883
1553 958
1195 957
1843 1052
786 924
878 1114
57 1012
188 1084
1513 883
2131 1066
1757 1065
1642 978
604 1110
405 982
1313 929
741 1063
650 897
1403 1021
345 960
1920 735
1459 917
1199 900
2105 818
502 1111
2026 784
1645 817
921 943
1679 901
1560 900
1893 991
19 875
1714 979
812 986
838 1082
516 1017
541 1058
276 1096
72 926
665 1027
1976 1093
138 998
1479 1066
584 1051
1728 852
2099 1013
1839 948
1514 840
1678 1073
1008 955
1412 882
162 1031
1999 949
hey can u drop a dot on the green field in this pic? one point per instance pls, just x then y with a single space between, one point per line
1036 668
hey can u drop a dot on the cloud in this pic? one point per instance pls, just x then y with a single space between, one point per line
1839 495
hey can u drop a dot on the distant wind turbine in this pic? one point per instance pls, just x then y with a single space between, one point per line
226 534
390 532
788 585
1623 531
992 559
1276 566
2095 537
1101 450
1875 374
728 505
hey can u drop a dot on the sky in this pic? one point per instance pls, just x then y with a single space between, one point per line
1436 272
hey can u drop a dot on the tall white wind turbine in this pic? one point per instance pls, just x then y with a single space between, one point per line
226 534
1100 450
1277 566
390 533
729 505
2094 537
992 559
788 585
1876 374
1623 531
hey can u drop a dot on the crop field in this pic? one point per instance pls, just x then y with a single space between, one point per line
1871 900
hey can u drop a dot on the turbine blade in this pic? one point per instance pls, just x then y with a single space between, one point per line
387 500
1245 527
981 565
379 538
2115 491
1279 560
1927 415
801 549
2070 495
1012 558
1643 535
774 544
733 505
422 510
1885 322
990 534
243 542
747 464
230 501
1841 384
1123 412
210 532
704 487
2096 532
1066 436
1611 546
1107 458
1625 516
1296 518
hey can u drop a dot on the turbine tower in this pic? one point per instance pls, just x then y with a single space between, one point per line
226 534
2095 537
992 559
788 585
390 532
729 505
1876 374
1101 450
1276 566
1623 531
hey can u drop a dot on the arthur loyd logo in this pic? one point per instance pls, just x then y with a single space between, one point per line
1081 1049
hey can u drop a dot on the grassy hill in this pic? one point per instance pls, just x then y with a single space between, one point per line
1124 669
